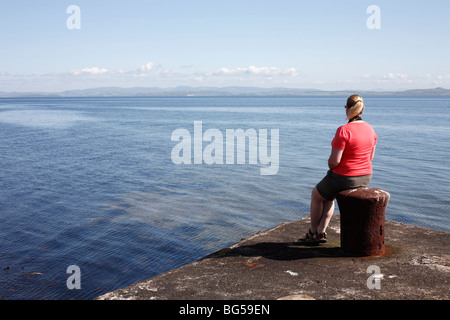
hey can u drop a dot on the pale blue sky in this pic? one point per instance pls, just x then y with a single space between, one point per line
299 44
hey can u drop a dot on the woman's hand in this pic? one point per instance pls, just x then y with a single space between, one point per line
335 158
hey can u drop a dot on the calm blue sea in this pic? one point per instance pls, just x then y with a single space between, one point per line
90 181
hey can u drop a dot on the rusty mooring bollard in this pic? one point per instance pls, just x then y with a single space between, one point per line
362 221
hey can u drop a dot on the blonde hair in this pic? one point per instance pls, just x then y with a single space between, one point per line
355 106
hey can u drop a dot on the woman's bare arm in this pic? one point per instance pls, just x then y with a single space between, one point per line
335 158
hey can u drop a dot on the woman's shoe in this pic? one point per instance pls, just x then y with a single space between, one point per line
321 237
309 237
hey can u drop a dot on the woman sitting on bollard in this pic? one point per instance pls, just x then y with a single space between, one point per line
350 165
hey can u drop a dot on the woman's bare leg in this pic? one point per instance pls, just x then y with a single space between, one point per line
316 210
321 212
328 210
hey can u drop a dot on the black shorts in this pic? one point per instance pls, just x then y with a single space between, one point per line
334 183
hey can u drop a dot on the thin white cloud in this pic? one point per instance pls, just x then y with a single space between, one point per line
152 70
403 81
154 74
395 76
89 71
146 67
146 70
143 70
256 71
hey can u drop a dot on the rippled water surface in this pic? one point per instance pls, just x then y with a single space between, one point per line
90 181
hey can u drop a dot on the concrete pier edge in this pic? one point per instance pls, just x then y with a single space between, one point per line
269 265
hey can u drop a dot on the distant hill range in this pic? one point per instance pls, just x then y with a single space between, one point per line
220 91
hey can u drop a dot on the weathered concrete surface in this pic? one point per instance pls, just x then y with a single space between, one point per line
268 266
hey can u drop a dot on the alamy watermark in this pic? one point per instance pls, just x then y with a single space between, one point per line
221 150
74 20
374 281
74 280
374 20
